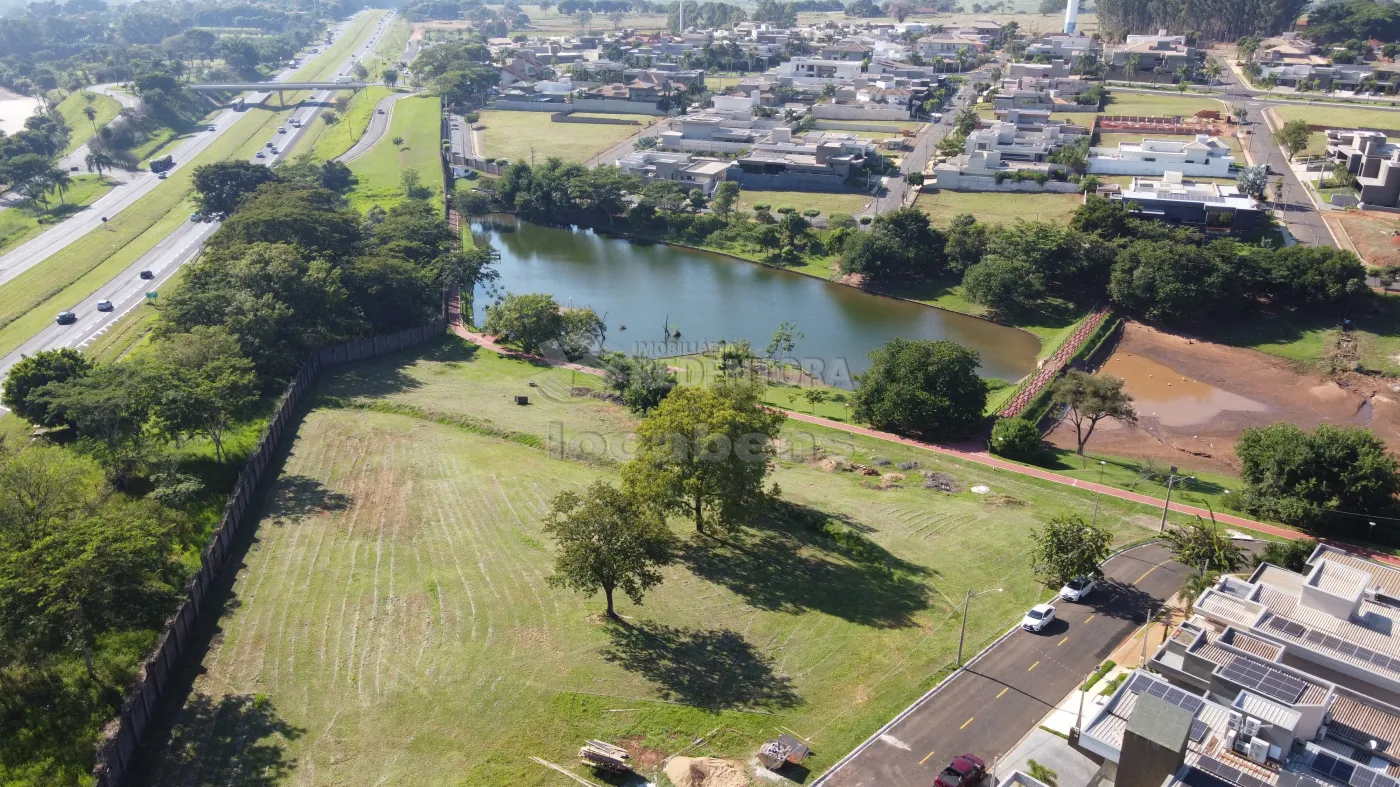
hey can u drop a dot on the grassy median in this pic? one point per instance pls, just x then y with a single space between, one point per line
19 224
417 121
82 129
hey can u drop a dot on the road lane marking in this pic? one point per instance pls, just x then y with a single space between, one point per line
1091 617
1145 573
1033 666
925 759
1063 641
1003 691
969 721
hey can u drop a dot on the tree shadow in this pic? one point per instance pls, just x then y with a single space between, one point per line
298 496
791 569
1121 600
714 669
232 741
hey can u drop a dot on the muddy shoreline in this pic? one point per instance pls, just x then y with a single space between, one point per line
1216 392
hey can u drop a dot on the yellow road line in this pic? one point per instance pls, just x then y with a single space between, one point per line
925 759
1091 617
1145 573
969 721
1063 641
1033 666
1003 691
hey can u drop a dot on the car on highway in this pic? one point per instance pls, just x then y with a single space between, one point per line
379 111
104 306
1078 589
1038 618
269 144
964 771
66 318
163 175
282 130
147 275
213 128
260 154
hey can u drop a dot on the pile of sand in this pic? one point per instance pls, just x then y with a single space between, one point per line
705 772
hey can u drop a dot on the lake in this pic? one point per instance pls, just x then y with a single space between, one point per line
638 288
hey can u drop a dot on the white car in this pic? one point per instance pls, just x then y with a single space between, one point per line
104 306
1078 588
1038 618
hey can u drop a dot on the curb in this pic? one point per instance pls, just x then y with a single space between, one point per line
933 692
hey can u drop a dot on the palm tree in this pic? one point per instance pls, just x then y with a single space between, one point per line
1134 60
1196 585
60 181
1213 70
91 115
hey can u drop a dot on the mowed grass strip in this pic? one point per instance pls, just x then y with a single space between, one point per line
417 120
996 207
516 136
1335 116
19 224
394 626
326 141
1124 103
77 270
826 202
81 129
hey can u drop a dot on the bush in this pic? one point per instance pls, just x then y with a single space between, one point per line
786 209
762 206
1015 438
811 213
865 221
397 140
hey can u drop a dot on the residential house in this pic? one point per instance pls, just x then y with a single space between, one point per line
681 168
1063 46
1288 50
1373 159
947 46
815 71
1153 52
1201 157
1172 199
1331 77
521 69
1017 144
816 162
850 51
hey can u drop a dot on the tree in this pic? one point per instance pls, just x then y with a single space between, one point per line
1090 399
1293 137
110 407
1300 477
1170 282
965 242
642 382
31 374
726 195
1204 544
1292 555
1196 584
221 185
91 115
607 541
1068 547
784 340
1253 180
705 451
207 385
1212 71
1002 285
528 320
814 397
1015 438
924 388
1131 67
581 331
390 76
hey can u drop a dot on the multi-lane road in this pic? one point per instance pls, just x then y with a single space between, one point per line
986 708
128 290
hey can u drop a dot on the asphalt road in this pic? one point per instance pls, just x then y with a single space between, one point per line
895 189
378 125
987 708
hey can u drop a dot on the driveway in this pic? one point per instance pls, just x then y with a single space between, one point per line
990 705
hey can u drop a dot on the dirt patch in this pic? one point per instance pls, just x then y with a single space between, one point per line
1373 236
705 772
641 755
1272 389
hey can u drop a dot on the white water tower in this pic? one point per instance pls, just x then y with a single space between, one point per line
1071 15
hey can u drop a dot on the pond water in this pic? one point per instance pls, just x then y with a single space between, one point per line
1171 398
639 288
14 110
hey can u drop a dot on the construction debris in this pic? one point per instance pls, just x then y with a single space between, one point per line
605 756
705 772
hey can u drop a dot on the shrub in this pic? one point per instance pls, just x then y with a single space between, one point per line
786 209
397 140
762 206
811 213
864 221
1015 438
1001 177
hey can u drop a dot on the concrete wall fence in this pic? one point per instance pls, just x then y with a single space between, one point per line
860 112
955 181
567 117
616 106
830 125
529 106
118 750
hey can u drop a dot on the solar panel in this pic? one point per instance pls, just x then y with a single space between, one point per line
1200 728
1234 775
1287 626
1335 767
1266 680
1140 683
1147 684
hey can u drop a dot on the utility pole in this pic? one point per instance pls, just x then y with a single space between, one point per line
1171 479
1102 466
963 631
1147 627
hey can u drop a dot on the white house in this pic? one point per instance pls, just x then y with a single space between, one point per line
813 71
682 168
1202 157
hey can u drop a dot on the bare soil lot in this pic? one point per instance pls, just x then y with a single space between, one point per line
1200 396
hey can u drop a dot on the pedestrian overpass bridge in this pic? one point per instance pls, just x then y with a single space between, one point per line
268 87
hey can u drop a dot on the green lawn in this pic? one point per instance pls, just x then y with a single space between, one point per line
826 202
71 108
515 136
1311 340
393 624
18 224
416 120
1340 117
1124 103
325 142
390 48
998 207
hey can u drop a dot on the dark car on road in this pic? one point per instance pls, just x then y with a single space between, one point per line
147 275
66 318
964 771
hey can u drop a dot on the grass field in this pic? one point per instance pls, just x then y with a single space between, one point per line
1340 117
1124 103
392 624
517 135
826 202
325 142
29 300
18 224
390 48
71 108
996 207
416 120
1308 340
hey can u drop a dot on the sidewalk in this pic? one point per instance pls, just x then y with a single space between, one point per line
978 457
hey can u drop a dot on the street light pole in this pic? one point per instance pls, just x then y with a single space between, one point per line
963 631
1171 479
1102 466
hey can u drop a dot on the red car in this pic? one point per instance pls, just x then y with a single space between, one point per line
964 771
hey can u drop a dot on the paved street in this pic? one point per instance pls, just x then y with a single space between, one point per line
986 708
378 124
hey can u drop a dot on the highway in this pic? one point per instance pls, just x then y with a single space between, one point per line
128 290
374 132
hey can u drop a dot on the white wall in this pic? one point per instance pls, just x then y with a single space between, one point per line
615 106
859 112
957 181
1219 167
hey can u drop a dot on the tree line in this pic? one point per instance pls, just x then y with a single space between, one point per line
1210 20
